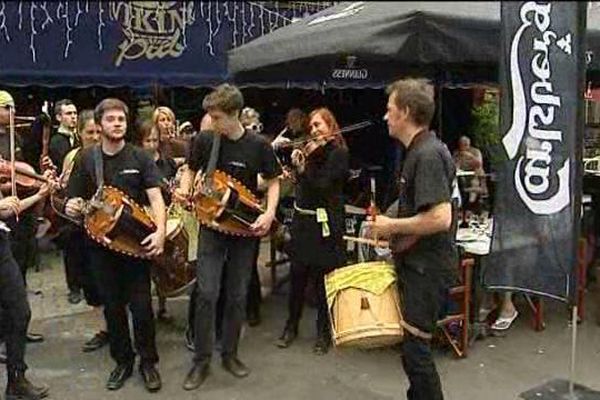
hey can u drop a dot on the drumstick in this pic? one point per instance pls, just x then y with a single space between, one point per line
372 242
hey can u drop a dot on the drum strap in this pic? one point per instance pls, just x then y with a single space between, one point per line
416 331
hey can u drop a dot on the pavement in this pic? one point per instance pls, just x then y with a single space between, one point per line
497 368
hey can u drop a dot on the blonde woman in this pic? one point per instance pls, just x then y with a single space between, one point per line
164 121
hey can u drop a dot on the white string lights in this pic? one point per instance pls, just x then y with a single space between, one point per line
3 27
101 25
32 9
242 20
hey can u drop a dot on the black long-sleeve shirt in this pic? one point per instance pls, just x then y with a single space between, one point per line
321 186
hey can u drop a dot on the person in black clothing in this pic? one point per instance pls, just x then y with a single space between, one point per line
318 224
242 155
149 140
425 210
23 243
15 312
63 141
75 249
65 138
123 281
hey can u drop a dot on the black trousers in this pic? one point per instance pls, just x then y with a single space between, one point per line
300 276
15 311
124 282
217 253
253 300
74 258
422 296
24 245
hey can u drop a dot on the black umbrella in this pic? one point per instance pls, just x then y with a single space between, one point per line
367 44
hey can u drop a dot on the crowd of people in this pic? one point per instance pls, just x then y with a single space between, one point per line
161 167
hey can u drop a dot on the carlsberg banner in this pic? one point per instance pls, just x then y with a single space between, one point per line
538 195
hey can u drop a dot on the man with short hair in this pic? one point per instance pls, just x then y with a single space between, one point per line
123 281
62 141
425 213
65 138
243 155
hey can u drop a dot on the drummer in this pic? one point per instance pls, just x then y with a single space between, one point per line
318 225
150 140
425 212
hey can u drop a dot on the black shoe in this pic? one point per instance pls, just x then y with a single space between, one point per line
99 340
34 338
287 338
196 376
118 376
151 377
322 346
235 367
75 297
189 340
2 353
19 388
254 320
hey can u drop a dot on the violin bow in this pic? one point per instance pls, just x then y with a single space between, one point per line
346 129
13 180
46 131
13 177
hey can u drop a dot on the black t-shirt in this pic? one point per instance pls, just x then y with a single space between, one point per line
243 159
131 170
426 180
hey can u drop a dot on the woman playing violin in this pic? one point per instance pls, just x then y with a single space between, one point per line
321 170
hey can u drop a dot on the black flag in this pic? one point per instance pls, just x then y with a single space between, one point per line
538 193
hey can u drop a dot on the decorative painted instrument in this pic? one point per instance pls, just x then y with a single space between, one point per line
114 220
226 205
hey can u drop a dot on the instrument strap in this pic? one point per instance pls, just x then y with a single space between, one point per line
214 157
98 166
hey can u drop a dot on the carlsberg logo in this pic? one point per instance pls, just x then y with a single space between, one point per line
535 106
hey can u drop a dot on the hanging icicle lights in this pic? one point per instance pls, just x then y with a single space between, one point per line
247 20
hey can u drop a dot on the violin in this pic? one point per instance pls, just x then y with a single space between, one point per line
314 147
25 175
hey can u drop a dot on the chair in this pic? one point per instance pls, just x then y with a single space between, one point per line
461 294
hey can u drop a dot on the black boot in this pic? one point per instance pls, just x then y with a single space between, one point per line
235 367
322 345
289 334
196 376
19 388
2 353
